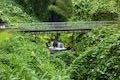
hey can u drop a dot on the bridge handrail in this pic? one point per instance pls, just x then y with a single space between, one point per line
62 25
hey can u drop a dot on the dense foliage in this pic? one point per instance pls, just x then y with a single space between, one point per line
99 55
38 8
11 12
95 10
25 58
90 56
62 9
43 10
58 10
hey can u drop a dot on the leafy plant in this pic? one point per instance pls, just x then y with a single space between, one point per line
24 57
86 9
99 56
11 12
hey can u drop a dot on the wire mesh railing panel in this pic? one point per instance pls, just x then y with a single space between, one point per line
63 25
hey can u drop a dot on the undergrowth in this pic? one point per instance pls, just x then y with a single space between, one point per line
24 58
99 55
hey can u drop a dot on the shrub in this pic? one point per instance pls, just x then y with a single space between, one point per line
24 58
100 58
87 9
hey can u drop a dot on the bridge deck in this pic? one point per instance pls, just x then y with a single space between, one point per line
58 26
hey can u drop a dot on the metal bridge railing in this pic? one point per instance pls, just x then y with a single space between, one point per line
62 25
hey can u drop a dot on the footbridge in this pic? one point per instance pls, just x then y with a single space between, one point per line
44 27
